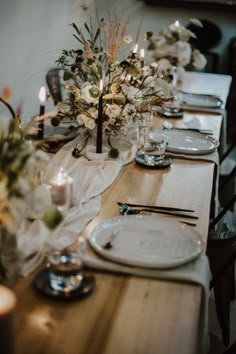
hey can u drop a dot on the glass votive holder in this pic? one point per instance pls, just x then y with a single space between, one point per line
154 150
61 186
65 270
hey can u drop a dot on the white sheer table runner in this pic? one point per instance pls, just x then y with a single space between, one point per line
90 178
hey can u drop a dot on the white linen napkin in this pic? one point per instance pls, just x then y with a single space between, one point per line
197 272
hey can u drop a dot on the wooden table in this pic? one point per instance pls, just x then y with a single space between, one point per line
125 314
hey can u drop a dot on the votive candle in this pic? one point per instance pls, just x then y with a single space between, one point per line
58 185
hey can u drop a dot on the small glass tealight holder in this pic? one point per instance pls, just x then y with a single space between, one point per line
62 190
66 268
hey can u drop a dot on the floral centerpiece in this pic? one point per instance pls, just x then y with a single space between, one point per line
172 47
20 169
126 84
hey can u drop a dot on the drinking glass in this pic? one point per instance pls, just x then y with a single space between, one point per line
66 268
154 150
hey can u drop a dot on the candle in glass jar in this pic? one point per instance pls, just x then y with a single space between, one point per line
58 185
7 305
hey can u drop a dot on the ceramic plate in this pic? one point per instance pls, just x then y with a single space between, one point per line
200 100
188 142
146 241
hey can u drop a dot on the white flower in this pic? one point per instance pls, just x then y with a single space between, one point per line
199 61
163 49
164 65
147 70
131 92
90 93
88 122
93 112
129 109
63 107
182 51
112 110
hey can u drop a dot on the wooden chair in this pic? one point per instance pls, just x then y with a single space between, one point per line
222 254
53 80
7 107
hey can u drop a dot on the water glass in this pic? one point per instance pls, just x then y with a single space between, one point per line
154 150
66 268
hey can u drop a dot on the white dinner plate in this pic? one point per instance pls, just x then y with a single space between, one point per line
146 241
200 100
188 142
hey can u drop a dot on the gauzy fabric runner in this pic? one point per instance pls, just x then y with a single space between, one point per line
91 178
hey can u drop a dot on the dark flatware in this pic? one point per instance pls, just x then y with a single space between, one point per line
154 207
130 211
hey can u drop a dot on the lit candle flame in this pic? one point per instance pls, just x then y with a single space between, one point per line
177 23
135 48
61 177
142 53
42 95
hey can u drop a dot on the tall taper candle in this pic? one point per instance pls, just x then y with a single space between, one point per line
142 53
42 97
99 120
7 305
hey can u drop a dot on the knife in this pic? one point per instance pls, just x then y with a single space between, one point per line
123 204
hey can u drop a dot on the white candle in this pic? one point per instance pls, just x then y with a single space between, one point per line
42 98
58 185
142 53
7 305
135 48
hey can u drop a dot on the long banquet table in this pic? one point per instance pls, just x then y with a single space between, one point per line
128 313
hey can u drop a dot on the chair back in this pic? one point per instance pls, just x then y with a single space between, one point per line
53 80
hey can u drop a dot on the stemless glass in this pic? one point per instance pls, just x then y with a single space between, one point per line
66 268
154 150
